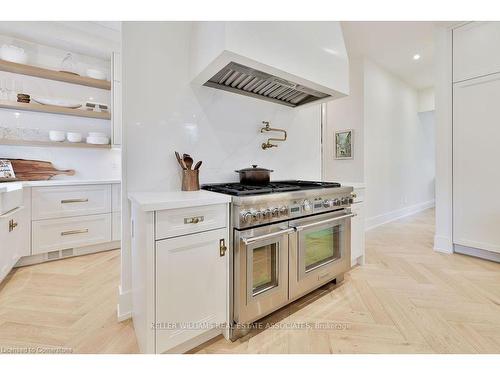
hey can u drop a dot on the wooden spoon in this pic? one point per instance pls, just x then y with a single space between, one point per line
180 161
198 165
188 160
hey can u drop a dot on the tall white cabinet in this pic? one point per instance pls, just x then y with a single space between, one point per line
476 138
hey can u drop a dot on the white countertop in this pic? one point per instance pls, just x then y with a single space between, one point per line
355 185
4 186
167 200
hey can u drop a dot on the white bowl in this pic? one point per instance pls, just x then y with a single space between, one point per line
97 134
57 136
96 74
74 137
13 54
98 140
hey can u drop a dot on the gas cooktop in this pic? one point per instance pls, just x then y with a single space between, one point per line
273 187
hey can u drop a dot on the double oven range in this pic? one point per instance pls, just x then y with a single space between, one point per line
288 238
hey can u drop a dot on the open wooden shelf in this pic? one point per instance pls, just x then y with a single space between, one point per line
35 71
20 142
33 107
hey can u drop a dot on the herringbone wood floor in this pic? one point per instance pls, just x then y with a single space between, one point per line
406 299
69 303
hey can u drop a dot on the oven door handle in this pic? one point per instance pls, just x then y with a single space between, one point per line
302 227
251 240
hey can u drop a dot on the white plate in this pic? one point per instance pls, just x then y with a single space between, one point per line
66 103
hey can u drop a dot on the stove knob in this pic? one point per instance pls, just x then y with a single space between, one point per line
336 202
257 215
307 205
246 216
327 203
345 200
266 213
275 212
283 210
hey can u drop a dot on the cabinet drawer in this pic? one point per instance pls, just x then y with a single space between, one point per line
116 198
57 234
66 201
172 223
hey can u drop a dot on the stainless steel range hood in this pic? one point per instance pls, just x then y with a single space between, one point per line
288 63
243 80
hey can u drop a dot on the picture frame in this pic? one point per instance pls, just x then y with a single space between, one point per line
344 144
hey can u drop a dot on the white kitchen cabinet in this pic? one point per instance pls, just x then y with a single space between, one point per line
358 234
476 50
116 226
358 228
66 233
67 201
191 287
476 158
14 236
180 282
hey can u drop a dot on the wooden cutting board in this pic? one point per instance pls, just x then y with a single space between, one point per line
36 170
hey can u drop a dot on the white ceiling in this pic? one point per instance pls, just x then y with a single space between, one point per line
392 44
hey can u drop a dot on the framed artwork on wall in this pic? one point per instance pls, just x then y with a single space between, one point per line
344 144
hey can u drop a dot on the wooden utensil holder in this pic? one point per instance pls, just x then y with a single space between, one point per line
190 180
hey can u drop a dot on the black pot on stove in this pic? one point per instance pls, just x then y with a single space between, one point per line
254 176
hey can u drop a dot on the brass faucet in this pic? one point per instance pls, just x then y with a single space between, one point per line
267 128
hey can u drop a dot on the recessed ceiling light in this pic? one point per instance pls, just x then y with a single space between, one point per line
416 56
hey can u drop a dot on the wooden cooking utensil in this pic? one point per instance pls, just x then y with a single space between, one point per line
36 170
188 160
180 161
198 165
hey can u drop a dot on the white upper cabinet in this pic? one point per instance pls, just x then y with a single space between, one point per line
476 50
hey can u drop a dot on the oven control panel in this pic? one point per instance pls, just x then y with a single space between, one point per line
279 211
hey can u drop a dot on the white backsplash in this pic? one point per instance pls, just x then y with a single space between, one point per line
164 112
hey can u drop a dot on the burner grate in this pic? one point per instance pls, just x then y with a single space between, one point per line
273 187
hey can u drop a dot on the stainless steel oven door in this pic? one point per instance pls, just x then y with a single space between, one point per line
320 250
260 271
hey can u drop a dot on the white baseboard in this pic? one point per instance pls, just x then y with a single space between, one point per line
124 307
379 220
443 244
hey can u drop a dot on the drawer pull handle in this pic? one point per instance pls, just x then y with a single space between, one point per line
194 220
12 225
78 231
82 200
222 247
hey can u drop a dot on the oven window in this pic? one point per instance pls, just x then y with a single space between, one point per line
265 271
321 246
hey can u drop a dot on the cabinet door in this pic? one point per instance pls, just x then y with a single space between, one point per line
476 50
14 239
191 287
357 233
476 163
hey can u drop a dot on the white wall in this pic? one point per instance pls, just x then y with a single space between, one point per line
399 148
426 99
346 113
164 112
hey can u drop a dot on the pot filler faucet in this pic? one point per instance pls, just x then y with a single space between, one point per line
267 128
